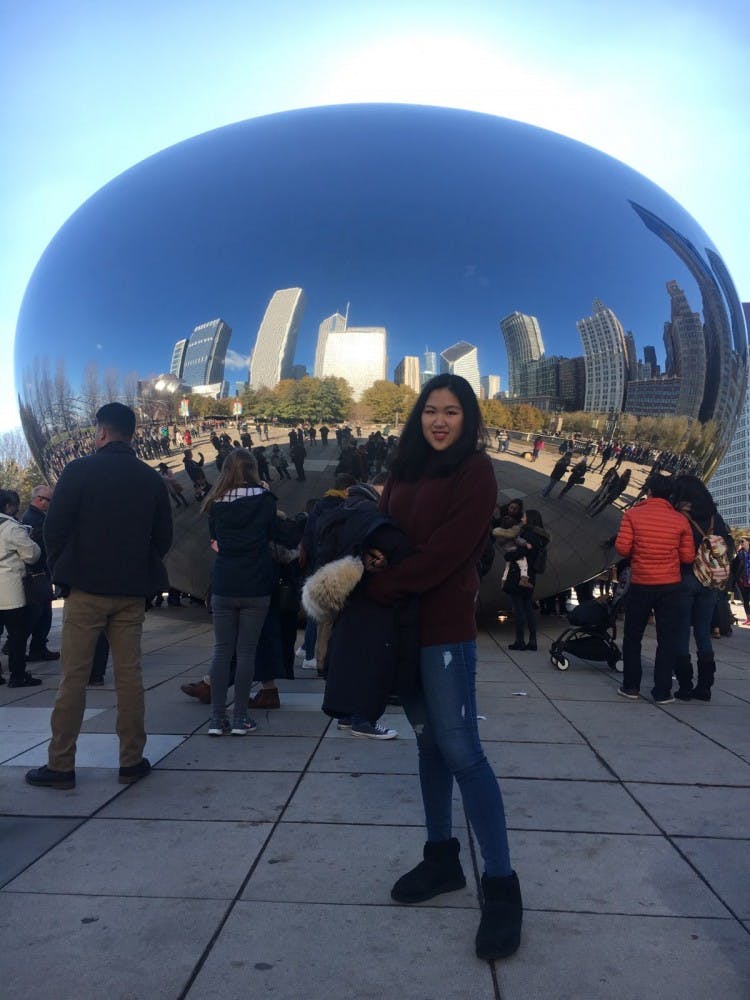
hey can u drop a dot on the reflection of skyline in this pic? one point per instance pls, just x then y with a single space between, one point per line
411 226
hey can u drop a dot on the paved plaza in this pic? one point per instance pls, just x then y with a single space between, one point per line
262 866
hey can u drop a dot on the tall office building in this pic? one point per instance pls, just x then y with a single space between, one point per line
649 358
631 355
462 359
684 342
356 353
730 485
205 354
429 366
489 386
331 324
725 334
572 383
276 342
407 372
178 357
606 361
523 342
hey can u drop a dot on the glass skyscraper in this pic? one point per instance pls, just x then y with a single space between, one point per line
205 353
462 359
523 342
606 359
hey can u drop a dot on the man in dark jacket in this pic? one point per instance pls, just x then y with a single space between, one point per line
109 526
39 612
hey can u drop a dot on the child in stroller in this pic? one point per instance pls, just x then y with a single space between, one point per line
592 632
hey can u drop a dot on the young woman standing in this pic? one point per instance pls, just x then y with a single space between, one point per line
442 492
530 541
242 519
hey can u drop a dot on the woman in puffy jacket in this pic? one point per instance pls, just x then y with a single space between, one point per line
242 520
17 551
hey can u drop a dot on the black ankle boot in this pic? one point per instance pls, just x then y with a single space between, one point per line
440 871
683 671
706 673
499 933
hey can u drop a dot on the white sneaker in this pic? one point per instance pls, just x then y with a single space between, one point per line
310 664
300 651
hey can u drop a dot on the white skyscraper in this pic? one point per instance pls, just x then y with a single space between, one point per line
331 324
606 360
523 342
462 359
489 386
275 344
356 353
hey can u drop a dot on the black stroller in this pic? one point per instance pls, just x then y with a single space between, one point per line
592 633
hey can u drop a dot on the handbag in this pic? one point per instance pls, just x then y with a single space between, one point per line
37 588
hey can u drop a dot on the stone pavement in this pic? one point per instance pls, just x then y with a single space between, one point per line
262 866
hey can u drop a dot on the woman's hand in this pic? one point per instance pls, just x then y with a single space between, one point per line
214 545
375 561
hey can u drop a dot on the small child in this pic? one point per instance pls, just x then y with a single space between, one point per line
507 533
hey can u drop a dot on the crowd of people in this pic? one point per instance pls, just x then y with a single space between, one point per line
386 565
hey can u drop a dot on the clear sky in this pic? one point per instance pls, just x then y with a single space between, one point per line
90 87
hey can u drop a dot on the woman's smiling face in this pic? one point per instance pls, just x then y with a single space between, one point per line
442 419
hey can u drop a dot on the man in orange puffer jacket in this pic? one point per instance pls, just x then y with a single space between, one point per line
656 539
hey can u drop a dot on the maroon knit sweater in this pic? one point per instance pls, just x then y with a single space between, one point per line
447 520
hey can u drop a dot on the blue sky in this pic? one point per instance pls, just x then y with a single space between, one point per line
91 88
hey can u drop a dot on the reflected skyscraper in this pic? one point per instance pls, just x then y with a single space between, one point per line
356 353
407 372
725 337
206 353
331 324
649 358
178 357
276 342
686 352
523 342
489 386
462 359
429 366
730 485
606 360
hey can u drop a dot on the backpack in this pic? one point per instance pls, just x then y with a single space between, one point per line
711 565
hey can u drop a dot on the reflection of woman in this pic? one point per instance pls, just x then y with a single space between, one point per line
242 516
17 550
441 491
530 541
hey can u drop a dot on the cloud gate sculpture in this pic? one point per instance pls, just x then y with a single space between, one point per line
590 292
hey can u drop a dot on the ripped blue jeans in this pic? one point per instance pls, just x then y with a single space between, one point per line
444 718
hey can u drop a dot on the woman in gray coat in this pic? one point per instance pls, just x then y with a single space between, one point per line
17 551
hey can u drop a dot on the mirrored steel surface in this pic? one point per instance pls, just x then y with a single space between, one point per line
591 292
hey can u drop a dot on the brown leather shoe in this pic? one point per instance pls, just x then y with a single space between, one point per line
265 698
199 690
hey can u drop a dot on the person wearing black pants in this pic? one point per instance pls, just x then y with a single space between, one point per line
519 585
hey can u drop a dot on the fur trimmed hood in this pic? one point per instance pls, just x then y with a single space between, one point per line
326 591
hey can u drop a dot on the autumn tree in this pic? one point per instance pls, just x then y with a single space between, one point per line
387 402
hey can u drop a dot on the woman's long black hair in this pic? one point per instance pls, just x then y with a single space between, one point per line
415 457
690 489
